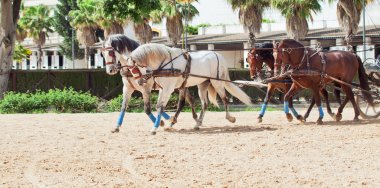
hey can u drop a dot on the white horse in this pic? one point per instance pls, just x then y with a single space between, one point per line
117 48
198 69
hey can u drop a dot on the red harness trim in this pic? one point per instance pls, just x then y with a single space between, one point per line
109 63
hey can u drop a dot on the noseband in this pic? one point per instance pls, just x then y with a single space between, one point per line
111 53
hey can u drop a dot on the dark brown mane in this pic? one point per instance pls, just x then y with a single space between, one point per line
291 42
122 43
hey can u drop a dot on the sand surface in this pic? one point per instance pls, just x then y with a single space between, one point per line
78 150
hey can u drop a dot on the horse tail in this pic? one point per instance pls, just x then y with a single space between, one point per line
364 82
236 91
212 95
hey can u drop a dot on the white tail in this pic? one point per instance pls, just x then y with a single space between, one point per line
238 93
212 95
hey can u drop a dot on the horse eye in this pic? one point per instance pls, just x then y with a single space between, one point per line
111 53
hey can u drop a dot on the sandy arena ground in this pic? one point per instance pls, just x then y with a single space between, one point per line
78 150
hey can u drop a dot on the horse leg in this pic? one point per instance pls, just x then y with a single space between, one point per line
309 109
318 102
292 91
190 100
294 112
271 89
127 93
163 98
325 95
338 115
350 96
337 93
181 104
147 107
202 92
219 87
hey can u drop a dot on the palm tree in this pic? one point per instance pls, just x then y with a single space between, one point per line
250 15
174 13
297 13
143 31
110 23
348 13
84 21
37 22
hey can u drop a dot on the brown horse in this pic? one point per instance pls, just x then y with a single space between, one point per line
312 69
264 54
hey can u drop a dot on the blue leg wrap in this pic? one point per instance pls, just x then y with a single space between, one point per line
294 112
165 115
121 117
263 108
321 114
151 117
158 121
286 107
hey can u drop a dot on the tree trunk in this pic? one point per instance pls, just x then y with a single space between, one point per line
86 49
39 57
9 17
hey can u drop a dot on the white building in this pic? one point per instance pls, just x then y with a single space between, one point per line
223 21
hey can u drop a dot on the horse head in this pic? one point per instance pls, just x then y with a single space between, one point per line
116 49
288 55
256 59
255 62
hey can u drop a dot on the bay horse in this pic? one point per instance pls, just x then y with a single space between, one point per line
309 68
197 68
263 53
117 48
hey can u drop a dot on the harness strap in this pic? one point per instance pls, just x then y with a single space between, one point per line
217 68
323 61
186 73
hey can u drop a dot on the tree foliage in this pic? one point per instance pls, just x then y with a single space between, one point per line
297 13
135 10
21 53
62 26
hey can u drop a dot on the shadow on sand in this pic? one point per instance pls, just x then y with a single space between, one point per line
225 129
346 122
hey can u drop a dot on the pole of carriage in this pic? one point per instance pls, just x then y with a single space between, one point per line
364 42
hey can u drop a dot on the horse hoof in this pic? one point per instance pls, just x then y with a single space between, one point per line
337 117
162 123
305 116
356 119
173 120
319 122
171 124
289 117
153 133
300 118
115 130
259 119
196 128
231 119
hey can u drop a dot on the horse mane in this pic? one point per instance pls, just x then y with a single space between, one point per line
265 53
152 51
291 43
121 43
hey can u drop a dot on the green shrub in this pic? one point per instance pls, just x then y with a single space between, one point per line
66 100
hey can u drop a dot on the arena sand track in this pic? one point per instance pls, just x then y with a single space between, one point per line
78 150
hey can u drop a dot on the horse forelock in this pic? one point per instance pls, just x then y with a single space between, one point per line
149 53
122 43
